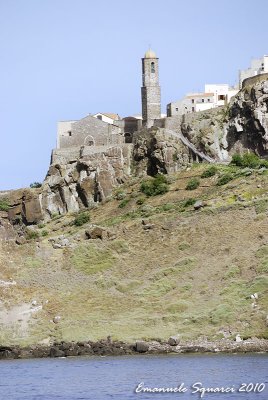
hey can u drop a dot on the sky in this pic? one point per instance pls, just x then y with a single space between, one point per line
64 59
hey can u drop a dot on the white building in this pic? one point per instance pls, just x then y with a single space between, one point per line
215 95
257 66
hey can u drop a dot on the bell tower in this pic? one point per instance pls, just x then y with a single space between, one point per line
150 91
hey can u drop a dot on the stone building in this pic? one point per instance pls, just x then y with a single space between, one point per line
150 91
88 131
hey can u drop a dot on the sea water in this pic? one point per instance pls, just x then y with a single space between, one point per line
198 376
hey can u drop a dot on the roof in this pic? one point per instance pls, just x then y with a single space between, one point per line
109 115
189 96
150 54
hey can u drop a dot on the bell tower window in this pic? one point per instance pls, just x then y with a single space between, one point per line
152 68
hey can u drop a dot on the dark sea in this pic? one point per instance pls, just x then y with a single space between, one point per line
130 377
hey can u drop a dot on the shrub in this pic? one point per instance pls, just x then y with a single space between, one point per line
40 226
35 185
250 160
237 159
263 163
4 205
224 179
32 235
140 201
155 186
123 203
193 184
189 202
44 233
81 219
211 171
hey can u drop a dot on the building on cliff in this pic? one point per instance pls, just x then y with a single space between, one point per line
106 129
257 66
215 95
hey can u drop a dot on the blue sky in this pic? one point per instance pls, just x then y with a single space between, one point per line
63 59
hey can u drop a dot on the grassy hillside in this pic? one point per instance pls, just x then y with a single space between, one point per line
191 273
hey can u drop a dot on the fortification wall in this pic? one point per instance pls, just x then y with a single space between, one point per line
254 79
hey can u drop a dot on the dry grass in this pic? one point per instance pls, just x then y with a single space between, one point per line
192 274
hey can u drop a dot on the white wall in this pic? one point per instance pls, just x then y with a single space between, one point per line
203 106
104 118
265 61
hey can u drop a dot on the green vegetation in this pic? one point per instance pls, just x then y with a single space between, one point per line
123 203
30 235
232 272
225 178
35 185
119 194
211 171
140 201
193 184
189 202
4 205
249 160
81 219
186 275
91 259
155 186
261 206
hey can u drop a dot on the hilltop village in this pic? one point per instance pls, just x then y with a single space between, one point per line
146 227
105 129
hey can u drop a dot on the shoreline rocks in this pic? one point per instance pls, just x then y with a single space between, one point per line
109 347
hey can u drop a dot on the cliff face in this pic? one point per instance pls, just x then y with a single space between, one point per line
74 184
157 151
247 126
240 126
207 130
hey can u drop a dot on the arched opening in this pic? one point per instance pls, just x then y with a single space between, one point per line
152 67
89 141
128 137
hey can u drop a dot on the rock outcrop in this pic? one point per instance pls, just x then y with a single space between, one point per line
76 183
238 127
247 126
157 151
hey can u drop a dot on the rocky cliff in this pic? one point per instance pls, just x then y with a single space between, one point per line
247 126
72 184
80 177
238 127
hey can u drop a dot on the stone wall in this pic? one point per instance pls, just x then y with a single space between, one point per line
91 131
254 79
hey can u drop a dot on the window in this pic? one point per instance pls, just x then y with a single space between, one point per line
203 100
193 109
221 97
208 100
70 133
177 109
152 67
193 101
99 117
